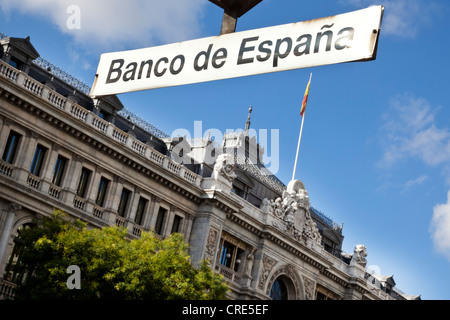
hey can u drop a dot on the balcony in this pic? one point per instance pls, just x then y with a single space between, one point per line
228 274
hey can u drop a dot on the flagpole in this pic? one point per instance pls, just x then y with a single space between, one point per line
301 131
298 146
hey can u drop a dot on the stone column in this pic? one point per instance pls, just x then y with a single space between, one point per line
10 213
151 221
188 227
25 157
205 233
134 201
148 213
48 170
70 183
132 207
259 271
113 198
91 191
170 217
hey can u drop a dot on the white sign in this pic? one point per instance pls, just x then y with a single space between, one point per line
347 37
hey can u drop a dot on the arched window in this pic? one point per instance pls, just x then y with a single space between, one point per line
279 290
15 271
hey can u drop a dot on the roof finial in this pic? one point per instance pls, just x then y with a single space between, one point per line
247 124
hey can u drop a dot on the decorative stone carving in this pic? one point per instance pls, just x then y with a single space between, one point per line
13 207
293 211
211 244
268 264
309 288
359 255
224 167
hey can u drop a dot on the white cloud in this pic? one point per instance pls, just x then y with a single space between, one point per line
410 130
415 182
440 227
112 23
402 18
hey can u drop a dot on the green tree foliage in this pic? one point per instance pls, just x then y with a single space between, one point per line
111 266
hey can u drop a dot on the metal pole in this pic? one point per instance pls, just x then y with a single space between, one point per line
298 146
229 22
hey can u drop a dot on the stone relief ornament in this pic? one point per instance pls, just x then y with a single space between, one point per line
13 207
211 243
309 288
224 167
268 264
293 211
359 255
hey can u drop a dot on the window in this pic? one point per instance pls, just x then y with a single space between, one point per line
11 147
101 194
278 290
84 181
227 254
38 160
101 115
104 115
140 211
240 192
15 63
59 170
321 296
160 221
176 224
237 263
231 253
124 197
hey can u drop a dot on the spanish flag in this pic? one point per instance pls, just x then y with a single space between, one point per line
305 98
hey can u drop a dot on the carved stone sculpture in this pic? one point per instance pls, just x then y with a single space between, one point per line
224 167
293 210
268 264
309 288
360 254
211 244
249 262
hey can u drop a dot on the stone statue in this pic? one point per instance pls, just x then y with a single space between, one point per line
249 262
360 254
224 167
266 206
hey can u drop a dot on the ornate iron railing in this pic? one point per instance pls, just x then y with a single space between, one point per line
327 219
141 123
62 75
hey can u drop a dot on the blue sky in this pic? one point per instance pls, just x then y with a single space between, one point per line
375 152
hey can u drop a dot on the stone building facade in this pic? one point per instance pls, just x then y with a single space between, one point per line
98 162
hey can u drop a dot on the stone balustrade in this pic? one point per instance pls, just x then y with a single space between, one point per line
228 274
86 116
7 290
